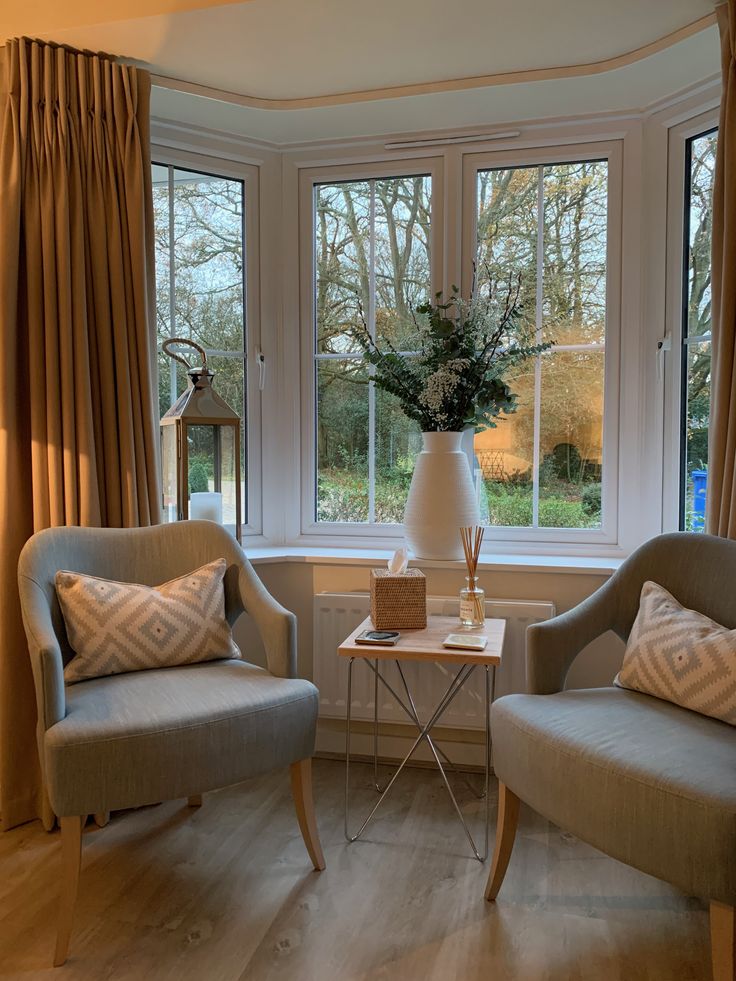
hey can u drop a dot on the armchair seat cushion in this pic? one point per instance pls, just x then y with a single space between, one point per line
646 781
140 738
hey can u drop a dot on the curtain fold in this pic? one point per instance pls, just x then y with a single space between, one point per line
78 418
721 495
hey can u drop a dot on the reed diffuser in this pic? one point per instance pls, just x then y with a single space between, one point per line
472 598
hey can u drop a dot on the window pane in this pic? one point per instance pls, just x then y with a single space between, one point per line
696 434
229 382
505 456
371 267
342 257
696 360
342 440
208 257
700 220
575 230
508 224
398 441
571 440
402 209
548 225
200 259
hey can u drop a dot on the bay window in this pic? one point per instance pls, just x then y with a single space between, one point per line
365 243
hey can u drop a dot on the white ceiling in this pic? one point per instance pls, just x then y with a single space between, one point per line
295 49
634 87
282 49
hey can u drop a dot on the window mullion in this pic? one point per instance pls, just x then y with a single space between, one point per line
538 340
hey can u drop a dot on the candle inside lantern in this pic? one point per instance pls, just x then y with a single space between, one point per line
206 505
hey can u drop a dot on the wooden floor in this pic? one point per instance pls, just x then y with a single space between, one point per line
226 893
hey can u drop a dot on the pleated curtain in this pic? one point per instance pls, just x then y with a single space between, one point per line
78 426
721 496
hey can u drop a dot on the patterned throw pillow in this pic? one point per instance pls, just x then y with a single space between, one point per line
681 656
118 626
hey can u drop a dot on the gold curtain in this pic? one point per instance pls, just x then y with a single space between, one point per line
721 501
78 443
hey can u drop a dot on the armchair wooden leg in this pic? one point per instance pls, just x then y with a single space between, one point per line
71 857
101 818
723 941
508 818
301 789
195 800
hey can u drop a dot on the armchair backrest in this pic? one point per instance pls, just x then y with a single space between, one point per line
699 570
149 556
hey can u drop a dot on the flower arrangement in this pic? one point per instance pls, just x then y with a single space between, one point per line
466 347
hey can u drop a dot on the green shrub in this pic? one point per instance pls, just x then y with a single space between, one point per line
343 496
198 479
592 500
555 512
512 507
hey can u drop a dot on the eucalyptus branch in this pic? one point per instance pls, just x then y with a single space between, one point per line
456 378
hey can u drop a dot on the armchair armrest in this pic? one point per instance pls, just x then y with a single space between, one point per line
551 647
45 652
276 625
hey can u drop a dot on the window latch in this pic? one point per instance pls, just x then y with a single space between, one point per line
663 344
261 359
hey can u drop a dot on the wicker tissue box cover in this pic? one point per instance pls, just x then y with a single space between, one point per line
398 602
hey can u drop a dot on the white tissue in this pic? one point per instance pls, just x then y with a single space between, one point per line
399 561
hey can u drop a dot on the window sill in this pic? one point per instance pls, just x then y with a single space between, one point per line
558 564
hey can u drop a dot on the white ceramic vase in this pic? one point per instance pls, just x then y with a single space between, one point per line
441 498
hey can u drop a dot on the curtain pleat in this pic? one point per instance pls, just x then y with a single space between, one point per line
78 424
721 495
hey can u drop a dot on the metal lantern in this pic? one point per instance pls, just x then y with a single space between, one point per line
200 450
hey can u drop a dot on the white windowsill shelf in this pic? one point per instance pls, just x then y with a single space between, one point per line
568 564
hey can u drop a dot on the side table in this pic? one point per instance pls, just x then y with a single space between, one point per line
424 645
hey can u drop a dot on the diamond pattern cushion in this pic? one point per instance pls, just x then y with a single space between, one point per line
115 627
681 656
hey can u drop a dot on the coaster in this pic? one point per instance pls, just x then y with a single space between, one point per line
465 642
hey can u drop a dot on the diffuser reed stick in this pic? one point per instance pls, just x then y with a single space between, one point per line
472 602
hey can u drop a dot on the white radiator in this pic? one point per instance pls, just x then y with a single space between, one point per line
337 614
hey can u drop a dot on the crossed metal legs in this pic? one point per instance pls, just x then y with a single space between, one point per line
424 733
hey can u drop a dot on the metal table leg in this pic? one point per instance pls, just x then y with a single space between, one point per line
424 732
379 677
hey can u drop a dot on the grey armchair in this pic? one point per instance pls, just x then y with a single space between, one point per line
645 781
134 739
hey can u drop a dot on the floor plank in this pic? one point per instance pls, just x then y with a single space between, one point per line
227 893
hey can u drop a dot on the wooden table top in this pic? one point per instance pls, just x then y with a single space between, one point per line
426 645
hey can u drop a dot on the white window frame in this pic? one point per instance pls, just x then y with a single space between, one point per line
250 176
454 223
309 179
672 353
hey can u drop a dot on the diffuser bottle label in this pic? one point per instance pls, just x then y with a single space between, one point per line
467 610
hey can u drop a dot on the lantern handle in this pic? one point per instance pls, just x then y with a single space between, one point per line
171 341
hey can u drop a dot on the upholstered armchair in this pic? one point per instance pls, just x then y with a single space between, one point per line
138 738
645 781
